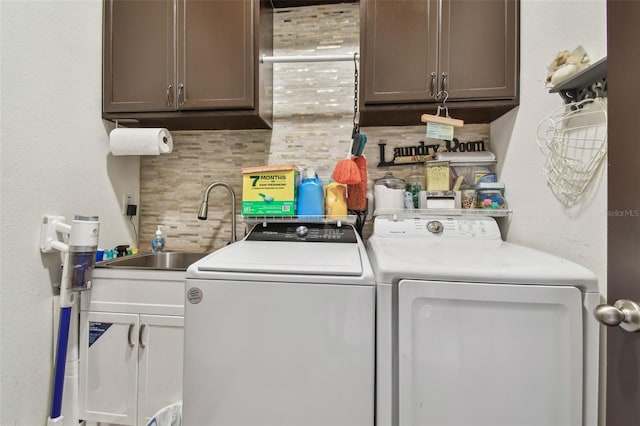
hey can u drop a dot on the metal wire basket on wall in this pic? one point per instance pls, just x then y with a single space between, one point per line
574 140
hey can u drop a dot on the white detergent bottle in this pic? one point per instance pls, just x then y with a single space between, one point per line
157 244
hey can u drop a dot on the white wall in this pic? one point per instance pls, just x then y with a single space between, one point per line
539 219
54 160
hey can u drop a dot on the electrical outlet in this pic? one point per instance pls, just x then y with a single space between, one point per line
126 200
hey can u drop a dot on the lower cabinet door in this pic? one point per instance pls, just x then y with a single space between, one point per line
108 367
160 366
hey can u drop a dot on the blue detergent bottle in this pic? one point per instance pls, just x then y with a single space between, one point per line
310 195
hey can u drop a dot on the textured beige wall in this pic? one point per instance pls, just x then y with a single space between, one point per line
313 113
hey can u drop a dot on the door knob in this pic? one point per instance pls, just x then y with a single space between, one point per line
624 313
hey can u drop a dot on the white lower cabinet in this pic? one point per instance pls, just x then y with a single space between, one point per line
160 364
108 367
130 361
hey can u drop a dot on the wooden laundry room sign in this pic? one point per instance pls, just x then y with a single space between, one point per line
422 152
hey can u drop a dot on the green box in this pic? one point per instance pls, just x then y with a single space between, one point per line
270 190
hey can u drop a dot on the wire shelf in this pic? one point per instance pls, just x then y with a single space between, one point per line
406 214
347 219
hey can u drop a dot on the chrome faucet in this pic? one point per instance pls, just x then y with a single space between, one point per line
204 206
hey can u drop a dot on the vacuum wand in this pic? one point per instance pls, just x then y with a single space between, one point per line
77 269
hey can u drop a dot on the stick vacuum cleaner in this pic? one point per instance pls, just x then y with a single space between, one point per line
78 245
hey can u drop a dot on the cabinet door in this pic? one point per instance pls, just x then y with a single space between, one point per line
478 48
108 367
215 54
160 367
138 55
399 50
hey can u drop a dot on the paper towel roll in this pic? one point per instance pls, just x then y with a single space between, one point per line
140 141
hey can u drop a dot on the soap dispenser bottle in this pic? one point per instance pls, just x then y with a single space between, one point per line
157 244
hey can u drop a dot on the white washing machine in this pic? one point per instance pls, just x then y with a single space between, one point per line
473 330
279 330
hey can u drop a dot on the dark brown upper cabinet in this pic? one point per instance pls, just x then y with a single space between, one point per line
188 64
414 50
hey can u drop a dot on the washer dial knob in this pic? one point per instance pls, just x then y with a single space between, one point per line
302 231
435 227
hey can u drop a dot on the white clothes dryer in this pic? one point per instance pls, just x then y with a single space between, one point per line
473 330
279 330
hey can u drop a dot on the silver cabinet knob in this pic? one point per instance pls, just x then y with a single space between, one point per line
445 84
168 95
143 344
129 332
624 313
432 85
180 94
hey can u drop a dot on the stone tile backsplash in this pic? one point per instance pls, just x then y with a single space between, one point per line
313 113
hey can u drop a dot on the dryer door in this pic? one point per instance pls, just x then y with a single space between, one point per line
489 354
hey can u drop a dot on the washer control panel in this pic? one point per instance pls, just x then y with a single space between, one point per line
484 228
303 232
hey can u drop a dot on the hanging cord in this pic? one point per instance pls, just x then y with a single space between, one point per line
356 119
355 136
361 216
134 228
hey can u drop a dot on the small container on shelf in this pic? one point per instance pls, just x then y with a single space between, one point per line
415 184
467 197
490 195
439 200
483 176
389 192
437 176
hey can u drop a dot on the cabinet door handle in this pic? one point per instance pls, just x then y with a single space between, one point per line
131 342
169 93
180 94
445 83
140 339
432 86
